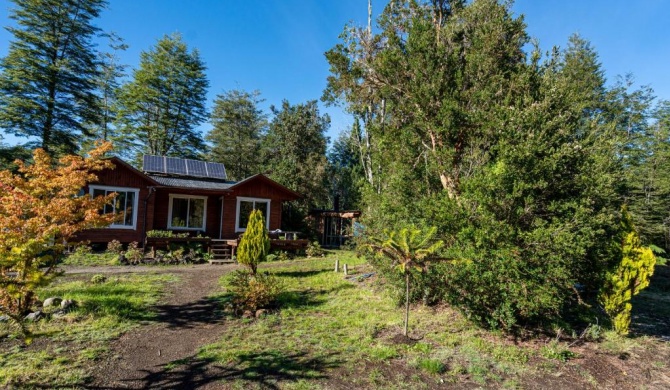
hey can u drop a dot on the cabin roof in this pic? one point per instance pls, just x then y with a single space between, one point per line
192 183
119 162
292 195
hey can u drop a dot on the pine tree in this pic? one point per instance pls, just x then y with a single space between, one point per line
648 181
161 107
295 156
108 84
345 172
47 85
255 243
238 125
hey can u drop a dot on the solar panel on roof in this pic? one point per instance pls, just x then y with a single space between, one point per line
196 168
175 166
216 170
153 164
183 167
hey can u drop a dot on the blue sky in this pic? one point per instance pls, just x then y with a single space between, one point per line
277 46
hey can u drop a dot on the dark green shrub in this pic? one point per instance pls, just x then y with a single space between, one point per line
253 292
314 250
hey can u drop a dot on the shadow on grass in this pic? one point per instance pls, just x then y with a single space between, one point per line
308 298
191 314
651 308
265 370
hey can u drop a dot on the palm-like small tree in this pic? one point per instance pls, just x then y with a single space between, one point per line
408 249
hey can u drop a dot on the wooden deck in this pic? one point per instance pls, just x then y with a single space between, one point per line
280 244
289 245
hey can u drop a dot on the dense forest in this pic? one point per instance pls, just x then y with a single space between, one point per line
526 163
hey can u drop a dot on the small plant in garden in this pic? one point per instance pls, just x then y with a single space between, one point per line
159 233
178 255
554 350
115 247
81 253
253 292
166 234
134 255
206 256
283 256
432 366
629 277
98 279
83 249
255 243
314 250
409 249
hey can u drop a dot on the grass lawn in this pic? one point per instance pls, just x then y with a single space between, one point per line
336 333
91 259
64 349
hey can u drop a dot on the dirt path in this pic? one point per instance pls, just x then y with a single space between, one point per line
187 319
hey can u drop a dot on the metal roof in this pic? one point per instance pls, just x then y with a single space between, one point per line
192 183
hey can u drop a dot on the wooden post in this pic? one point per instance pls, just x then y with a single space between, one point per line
346 270
337 265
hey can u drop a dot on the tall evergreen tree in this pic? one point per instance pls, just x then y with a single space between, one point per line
295 156
648 180
514 159
108 83
345 171
161 107
238 125
47 85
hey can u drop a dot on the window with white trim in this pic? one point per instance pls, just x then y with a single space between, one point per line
187 212
124 205
244 208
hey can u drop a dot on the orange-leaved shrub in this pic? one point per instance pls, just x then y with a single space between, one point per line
41 208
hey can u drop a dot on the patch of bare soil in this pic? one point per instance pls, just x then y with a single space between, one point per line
596 369
186 320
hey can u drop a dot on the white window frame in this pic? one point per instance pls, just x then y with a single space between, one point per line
241 199
204 211
92 188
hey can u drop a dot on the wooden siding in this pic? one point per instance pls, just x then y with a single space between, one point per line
253 189
162 204
121 177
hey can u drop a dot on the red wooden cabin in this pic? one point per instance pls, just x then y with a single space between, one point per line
162 197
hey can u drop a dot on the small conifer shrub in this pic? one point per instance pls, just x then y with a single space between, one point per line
629 277
255 244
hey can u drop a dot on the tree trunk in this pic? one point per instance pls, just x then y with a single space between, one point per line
406 302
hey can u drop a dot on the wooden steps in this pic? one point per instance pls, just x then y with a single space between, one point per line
221 252
213 261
